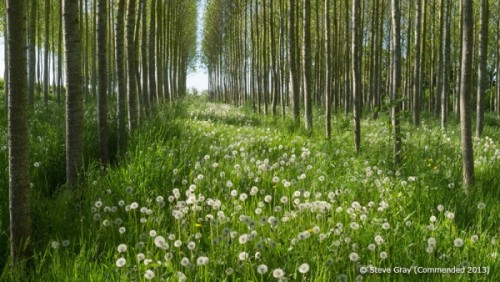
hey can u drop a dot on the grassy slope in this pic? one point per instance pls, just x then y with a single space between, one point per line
315 202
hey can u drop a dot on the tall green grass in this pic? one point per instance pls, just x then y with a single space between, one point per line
244 191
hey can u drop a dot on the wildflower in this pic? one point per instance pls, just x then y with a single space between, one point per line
185 262
152 233
55 245
440 208
202 261
229 271
262 269
481 206
122 248
160 242
243 239
371 247
474 238
120 262
140 256
383 255
304 268
458 242
178 243
431 242
191 245
149 275
243 256
65 243
122 230
450 215
278 273
353 256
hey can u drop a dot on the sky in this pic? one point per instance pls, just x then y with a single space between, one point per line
197 79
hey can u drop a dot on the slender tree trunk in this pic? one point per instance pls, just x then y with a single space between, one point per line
356 72
131 59
152 53
102 55
46 54
18 134
293 66
482 72
144 53
445 53
32 51
328 122
306 63
74 104
417 70
120 73
465 93
396 80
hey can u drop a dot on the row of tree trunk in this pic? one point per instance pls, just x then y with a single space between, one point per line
139 62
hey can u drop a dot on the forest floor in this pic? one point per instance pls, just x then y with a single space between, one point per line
211 192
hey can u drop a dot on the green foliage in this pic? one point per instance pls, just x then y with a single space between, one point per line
200 162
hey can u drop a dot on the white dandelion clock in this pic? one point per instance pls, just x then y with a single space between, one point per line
120 262
278 273
149 275
304 268
262 269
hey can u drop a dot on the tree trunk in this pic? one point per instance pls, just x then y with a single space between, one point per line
293 66
396 80
482 71
102 107
32 51
356 72
46 54
152 53
131 59
328 122
18 134
417 70
120 73
74 105
306 63
465 93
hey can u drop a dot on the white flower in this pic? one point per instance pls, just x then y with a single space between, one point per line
458 242
122 248
353 256
152 233
450 215
191 245
262 269
386 226
304 268
55 245
474 238
383 255
431 242
160 242
65 243
371 247
481 206
278 273
243 239
134 206
122 230
178 243
185 261
202 261
440 208
149 275
120 262
433 219
140 256
243 256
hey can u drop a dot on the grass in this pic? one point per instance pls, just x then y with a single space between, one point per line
210 192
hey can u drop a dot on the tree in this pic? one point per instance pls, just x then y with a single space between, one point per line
102 68
482 72
32 50
120 73
465 94
356 72
152 52
306 55
74 103
328 126
396 79
417 69
293 66
131 59
19 180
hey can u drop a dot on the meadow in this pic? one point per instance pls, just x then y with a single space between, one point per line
211 192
